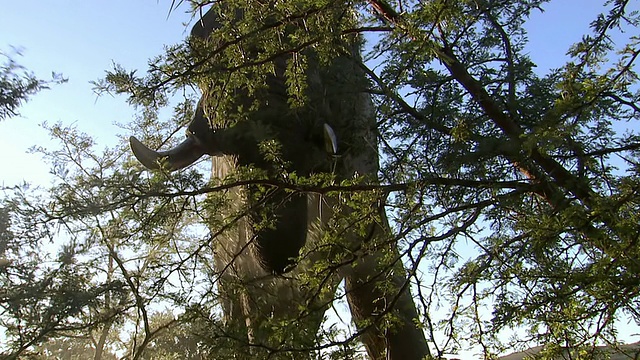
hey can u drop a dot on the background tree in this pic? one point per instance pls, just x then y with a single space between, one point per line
513 194
17 84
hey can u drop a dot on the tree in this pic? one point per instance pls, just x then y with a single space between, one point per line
513 195
529 156
17 84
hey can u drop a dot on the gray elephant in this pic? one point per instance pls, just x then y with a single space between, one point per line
261 262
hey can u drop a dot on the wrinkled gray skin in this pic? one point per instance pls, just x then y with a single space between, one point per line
257 258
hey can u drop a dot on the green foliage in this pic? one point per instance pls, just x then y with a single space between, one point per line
69 348
515 169
17 85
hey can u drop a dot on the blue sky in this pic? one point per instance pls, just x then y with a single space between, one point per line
81 39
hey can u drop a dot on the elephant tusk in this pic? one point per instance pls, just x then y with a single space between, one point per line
330 140
177 158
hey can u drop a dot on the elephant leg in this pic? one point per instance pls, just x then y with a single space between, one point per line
231 301
281 321
399 340
279 312
361 306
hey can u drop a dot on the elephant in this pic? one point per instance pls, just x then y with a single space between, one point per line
261 263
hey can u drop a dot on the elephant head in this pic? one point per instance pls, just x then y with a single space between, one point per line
306 142
278 244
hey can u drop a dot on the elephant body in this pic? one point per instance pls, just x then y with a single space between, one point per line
274 236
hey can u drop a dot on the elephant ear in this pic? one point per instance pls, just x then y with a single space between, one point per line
177 158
